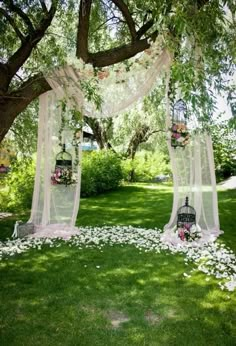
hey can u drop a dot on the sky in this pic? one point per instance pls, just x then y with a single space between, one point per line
223 107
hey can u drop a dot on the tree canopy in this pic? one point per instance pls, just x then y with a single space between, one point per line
37 36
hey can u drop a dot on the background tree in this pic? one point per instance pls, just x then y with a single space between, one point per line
224 146
103 32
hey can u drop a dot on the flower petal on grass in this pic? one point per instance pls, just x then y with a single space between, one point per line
210 258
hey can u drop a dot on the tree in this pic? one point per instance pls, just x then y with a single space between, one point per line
224 146
111 31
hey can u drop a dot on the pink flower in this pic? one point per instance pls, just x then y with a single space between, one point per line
181 234
187 226
53 180
176 135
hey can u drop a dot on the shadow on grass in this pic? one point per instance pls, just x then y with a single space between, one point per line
7 224
227 213
138 205
143 205
62 296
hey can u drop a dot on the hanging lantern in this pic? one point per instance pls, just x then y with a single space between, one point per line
63 168
179 131
186 216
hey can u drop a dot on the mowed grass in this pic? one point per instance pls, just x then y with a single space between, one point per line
117 295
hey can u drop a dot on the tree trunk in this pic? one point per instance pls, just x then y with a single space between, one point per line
140 136
99 133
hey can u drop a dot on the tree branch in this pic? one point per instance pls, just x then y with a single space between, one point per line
126 14
13 24
201 3
44 7
83 29
155 131
32 88
15 102
22 54
115 55
20 13
144 28
106 21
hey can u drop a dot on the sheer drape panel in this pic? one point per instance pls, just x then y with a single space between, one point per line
194 176
117 93
53 204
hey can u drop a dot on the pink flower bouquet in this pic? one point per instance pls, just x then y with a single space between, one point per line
189 232
62 176
179 135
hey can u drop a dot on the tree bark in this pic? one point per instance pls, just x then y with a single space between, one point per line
15 102
115 55
140 136
100 133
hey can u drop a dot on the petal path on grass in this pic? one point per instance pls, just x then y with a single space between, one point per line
212 258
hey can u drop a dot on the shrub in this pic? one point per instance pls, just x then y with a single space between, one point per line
18 186
145 166
101 172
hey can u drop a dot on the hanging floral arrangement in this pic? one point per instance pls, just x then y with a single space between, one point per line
179 133
63 170
186 227
62 176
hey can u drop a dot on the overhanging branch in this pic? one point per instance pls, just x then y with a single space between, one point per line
126 14
20 13
118 54
83 29
13 24
31 40
43 5
144 28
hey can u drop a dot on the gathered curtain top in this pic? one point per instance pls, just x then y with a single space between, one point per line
110 90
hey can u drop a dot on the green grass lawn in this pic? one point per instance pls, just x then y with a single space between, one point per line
116 295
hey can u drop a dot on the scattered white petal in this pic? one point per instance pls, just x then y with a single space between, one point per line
210 258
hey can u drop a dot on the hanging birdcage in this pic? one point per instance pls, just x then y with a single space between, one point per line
186 216
63 168
179 131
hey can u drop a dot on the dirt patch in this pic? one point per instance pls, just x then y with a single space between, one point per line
4 215
116 318
152 318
